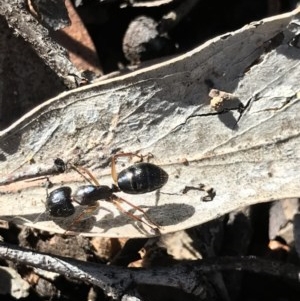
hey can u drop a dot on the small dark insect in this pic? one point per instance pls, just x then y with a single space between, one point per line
136 179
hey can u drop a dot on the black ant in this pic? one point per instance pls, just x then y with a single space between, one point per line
139 178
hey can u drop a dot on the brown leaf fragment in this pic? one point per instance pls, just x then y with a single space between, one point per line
76 39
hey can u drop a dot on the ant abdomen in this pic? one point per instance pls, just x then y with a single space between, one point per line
141 178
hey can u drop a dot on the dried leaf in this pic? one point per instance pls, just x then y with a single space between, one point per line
247 155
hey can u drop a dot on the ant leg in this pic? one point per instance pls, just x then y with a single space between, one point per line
117 202
122 210
48 185
130 155
81 170
114 174
85 213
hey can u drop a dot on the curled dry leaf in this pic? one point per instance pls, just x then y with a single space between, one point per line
246 156
149 3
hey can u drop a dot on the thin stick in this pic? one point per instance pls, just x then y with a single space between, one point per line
115 281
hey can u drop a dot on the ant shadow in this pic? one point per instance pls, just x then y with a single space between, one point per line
164 215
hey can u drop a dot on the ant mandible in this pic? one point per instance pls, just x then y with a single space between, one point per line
138 178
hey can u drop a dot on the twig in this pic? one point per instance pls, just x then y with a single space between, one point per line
34 33
116 281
